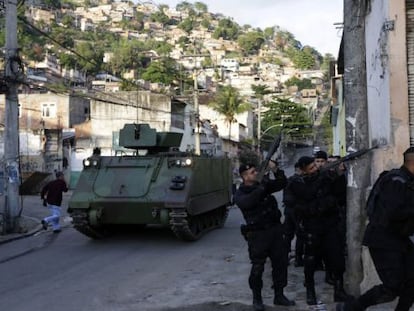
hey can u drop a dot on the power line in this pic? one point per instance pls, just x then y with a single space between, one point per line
26 22
121 102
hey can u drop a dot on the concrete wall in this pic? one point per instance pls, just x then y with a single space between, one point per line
339 132
108 117
387 90
40 136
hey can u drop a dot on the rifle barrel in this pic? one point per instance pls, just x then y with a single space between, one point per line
273 148
349 157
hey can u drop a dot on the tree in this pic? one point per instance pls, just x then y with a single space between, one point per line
184 6
300 83
251 42
187 25
67 60
200 7
269 32
161 71
260 90
229 103
206 23
284 39
227 29
127 55
160 17
68 20
92 57
304 60
283 113
327 59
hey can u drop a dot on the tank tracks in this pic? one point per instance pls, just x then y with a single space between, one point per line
191 228
184 226
81 223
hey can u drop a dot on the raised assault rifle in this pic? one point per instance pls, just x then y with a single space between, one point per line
272 150
348 157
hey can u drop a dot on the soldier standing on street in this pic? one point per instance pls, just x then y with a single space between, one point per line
290 224
390 210
316 208
52 197
263 230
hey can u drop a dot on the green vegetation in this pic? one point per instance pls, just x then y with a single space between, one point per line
251 42
149 58
300 83
229 103
283 113
227 29
325 130
161 71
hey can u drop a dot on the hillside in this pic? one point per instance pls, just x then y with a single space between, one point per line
155 44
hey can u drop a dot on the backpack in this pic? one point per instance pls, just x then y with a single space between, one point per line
376 189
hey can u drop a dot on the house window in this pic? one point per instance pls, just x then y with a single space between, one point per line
48 110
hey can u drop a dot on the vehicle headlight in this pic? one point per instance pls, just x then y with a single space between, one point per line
180 162
90 162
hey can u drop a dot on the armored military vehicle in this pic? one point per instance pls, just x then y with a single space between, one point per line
155 184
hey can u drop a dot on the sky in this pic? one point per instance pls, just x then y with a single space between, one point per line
310 21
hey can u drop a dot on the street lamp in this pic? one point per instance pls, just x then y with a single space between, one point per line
283 132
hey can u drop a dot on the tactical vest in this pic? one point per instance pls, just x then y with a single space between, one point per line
376 211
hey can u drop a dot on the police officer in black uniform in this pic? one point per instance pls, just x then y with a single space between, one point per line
391 225
263 230
316 209
291 225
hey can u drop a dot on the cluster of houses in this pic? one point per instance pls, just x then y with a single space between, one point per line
57 131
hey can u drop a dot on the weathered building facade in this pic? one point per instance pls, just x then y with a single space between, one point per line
377 109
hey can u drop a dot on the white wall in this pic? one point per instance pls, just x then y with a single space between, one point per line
378 90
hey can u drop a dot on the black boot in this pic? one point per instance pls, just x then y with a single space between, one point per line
351 304
281 299
311 295
258 302
339 291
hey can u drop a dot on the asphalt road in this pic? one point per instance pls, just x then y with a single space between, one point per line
147 270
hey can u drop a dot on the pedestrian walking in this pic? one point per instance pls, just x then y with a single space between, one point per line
263 230
51 195
389 238
316 209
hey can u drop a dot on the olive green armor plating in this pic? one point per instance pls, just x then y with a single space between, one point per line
157 185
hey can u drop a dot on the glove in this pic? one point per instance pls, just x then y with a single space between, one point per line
44 202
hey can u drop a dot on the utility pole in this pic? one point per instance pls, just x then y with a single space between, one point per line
197 115
197 144
11 131
357 135
259 123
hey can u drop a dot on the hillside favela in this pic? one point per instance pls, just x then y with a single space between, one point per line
169 158
87 68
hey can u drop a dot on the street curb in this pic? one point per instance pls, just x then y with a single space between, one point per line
17 236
